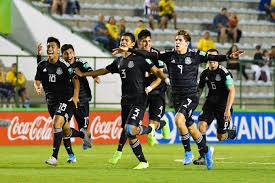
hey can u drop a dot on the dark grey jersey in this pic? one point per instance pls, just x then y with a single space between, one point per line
216 82
132 71
182 68
56 80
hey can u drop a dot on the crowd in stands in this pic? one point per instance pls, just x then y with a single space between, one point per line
268 7
61 7
12 86
160 12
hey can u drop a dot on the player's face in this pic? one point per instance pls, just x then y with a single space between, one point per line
69 55
213 65
52 50
145 43
126 41
180 43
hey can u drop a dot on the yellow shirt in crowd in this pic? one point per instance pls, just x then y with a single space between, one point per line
137 31
166 7
11 78
113 30
206 44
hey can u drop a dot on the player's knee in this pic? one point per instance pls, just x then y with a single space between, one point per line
221 137
202 126
130 130
58 121
180 120
192 129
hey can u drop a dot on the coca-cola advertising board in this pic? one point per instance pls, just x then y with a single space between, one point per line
35 128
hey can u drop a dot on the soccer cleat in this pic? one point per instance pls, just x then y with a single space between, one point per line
151 136
188 158
166 130
86 139
199 161
71 159
51 161
116 157
141 165
232 133
209 158
84 146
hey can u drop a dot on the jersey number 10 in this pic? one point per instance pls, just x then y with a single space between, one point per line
52 78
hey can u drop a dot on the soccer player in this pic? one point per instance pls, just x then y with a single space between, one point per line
155 89
183 64
218 102
82 112
132 69
61 87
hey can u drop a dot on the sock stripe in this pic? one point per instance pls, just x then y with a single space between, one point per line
185 137
134 145
57 130
199 139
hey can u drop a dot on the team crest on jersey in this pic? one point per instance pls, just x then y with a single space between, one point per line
131 64
59 71
218 77
188 61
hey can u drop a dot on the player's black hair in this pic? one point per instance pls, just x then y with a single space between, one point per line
53 39
213 50
66 47
130 35
144 33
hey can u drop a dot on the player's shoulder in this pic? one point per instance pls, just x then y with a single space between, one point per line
224 70
154 50
205 72
64 63
42 63
168 51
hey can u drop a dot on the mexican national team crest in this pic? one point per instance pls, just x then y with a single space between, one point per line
218 77
188 60
59 71
131 64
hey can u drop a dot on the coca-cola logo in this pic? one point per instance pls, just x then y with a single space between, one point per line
39 129
105 129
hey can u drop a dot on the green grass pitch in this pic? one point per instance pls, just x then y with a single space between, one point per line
233 163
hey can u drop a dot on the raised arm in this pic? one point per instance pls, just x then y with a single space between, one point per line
219 58
94 73
39 53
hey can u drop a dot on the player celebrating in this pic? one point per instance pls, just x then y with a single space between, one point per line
218 102
183 64
132 69
156 92
62 89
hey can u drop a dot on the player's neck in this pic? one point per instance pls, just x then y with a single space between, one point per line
183 51
53 60
126 54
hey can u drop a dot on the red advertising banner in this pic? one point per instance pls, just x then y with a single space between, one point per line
35 128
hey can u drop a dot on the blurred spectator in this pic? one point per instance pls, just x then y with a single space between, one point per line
272 54
122 27
3 90
256 67
139 28
72 7
234 33
113 31
205 43
101 33
266 70
220 24
267 6
166 13
234 64
22 91
151 11
58 6
11 83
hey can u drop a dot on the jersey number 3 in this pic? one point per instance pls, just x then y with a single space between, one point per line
123 73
